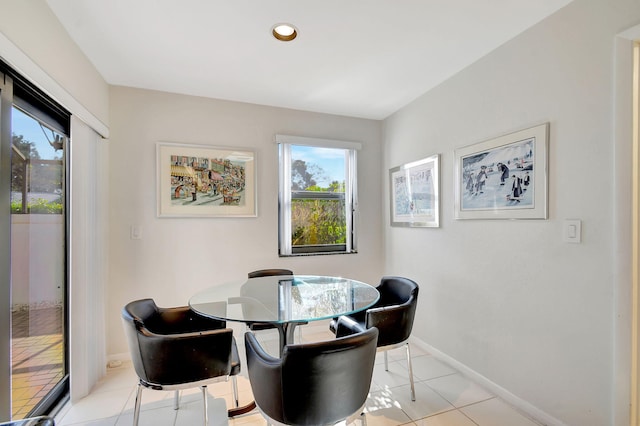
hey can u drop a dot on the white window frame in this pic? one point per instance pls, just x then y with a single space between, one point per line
285 195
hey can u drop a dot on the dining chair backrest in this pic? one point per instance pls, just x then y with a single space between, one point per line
165 344
269 273
395 311
257 326
315 383
175 348
393 315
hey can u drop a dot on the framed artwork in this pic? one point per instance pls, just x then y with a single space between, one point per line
414 193
205 181
503 178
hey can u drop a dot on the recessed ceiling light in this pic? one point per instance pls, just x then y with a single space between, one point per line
284 32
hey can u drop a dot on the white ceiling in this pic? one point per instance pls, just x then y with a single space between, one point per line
359 58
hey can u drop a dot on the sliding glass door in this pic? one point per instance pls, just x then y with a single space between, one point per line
33 222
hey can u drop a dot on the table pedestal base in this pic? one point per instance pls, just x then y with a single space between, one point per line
238 411
285 330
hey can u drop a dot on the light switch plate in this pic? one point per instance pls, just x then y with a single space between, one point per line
572 231
136 232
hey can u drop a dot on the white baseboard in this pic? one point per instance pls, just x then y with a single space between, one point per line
518 403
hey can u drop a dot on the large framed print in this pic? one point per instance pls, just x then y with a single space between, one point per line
503 178
414 193
205 181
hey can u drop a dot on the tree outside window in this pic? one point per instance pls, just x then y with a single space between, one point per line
36 168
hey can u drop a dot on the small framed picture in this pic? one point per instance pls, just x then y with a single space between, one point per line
503 178
414 193
205 181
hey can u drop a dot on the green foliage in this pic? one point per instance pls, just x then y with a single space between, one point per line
31 174
315 188
316 222
38 206
313 221
335 186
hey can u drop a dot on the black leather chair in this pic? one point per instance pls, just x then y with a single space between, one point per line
256 326
175 348
32 421
319 383
393 315
269 273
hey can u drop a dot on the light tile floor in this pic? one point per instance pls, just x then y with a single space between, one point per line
443 397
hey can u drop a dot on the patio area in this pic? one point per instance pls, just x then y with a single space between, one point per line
37 356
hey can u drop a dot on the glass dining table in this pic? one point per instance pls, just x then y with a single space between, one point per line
284 301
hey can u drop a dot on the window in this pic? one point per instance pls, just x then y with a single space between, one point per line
318 196
34 215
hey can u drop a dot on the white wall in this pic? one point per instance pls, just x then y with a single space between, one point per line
38 35
176 257
508 299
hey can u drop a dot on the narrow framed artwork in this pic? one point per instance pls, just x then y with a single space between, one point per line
414 189
205 181
504 177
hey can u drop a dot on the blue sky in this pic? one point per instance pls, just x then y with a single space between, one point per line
26 126
331 160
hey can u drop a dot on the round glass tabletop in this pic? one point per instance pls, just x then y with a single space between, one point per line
285 299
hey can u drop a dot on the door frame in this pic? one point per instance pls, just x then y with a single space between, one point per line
6 96
625 374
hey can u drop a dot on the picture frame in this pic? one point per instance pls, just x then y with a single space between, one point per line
205 181
504 177
415 193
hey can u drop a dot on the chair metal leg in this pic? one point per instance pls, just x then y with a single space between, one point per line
206 408
386 361
136 410
176 400
410 366
234 384
363 418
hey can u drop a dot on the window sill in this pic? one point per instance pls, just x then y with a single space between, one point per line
324 253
